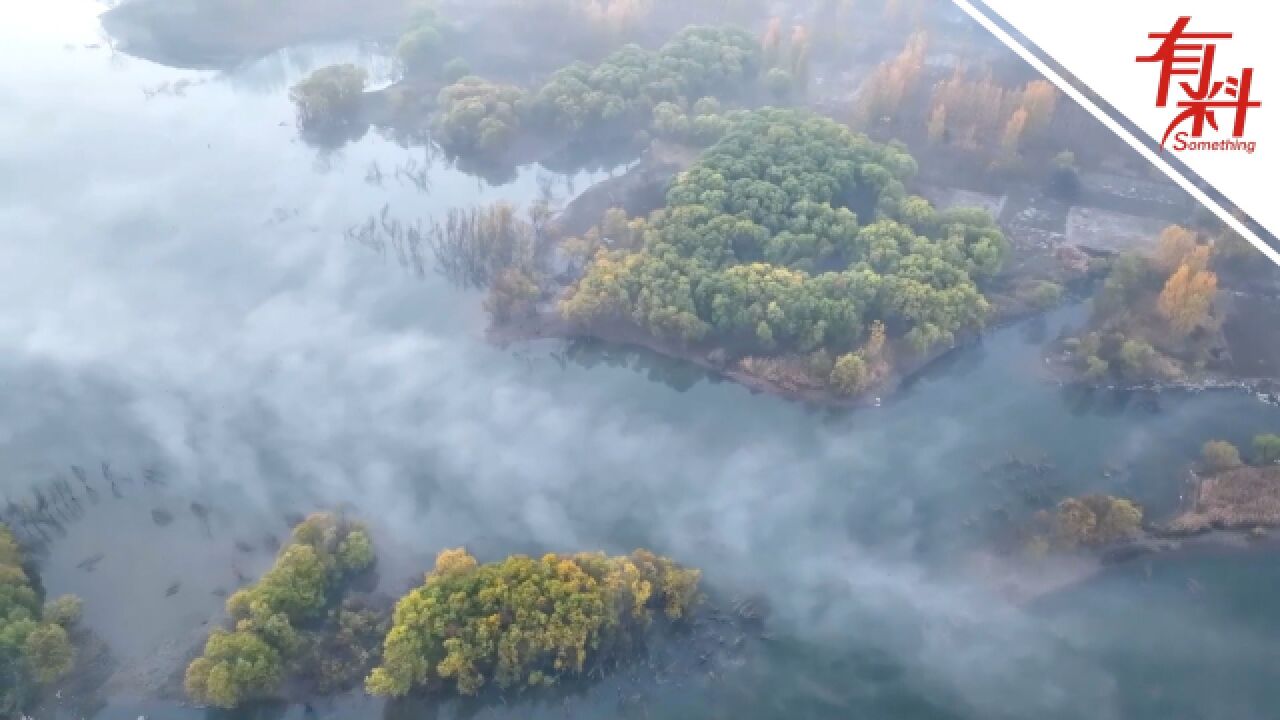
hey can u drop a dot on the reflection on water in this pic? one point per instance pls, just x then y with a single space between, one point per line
190 324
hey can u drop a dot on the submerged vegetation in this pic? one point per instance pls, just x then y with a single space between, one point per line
35 649
794 235
293 622
329 98
526 622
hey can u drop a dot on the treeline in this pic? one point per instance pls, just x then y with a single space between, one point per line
675 91
975 115
35 649
518 623
794 235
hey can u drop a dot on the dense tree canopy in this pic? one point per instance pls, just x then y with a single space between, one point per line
625 87
524 621
248 662
792 233
34 646
477 115
418 50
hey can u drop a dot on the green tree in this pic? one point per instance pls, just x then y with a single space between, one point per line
850 374
419 49
236 667
1266 449
477 116
34 647
65 610
330 96
302 589
48 652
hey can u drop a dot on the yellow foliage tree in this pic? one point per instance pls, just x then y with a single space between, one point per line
893 80
1039 100
771 40
1187 298
1013 130
937 123
1175 244
799 54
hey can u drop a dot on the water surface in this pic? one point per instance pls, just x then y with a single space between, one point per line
182 302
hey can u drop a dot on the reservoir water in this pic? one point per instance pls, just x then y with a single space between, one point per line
185 317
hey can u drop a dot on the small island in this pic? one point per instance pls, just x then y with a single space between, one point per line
36 649
525 623
298 630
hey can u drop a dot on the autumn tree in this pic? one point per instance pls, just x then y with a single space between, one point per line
513 294
892 81
850 374
937 129
798 62
525 622
1038 101
1175 245
1013 131
771 42
1187 298
1093 521
1220 455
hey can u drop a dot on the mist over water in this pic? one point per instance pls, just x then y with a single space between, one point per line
181 302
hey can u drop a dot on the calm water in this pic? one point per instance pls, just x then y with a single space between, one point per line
181 302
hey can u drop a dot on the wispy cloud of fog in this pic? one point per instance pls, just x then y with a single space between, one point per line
270 365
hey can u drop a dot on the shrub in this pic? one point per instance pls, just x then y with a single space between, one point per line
65 610
1044 295
1220 455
